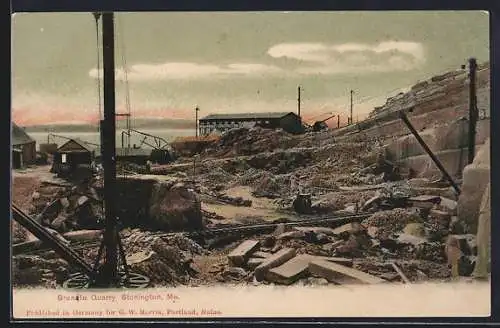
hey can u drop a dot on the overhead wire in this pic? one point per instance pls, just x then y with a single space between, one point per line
98 48
125 73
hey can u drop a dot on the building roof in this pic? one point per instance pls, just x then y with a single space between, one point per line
80 143
246 116
19 136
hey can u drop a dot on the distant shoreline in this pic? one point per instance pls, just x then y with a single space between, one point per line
136 124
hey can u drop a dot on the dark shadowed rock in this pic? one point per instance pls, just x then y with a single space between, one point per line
175 208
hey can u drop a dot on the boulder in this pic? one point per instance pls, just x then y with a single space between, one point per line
302 204
175 208
476 176
415 229
483 264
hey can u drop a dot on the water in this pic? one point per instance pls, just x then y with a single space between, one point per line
93 137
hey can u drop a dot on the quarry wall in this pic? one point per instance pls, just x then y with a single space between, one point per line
440 107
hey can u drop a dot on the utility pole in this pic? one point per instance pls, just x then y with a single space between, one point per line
473 115
351 119
196 120
298 101
109 271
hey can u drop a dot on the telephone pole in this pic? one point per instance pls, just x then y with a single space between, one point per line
351 118
109 272
196 120
473 114
298 101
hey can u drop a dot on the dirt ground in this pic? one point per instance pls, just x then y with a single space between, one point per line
262 209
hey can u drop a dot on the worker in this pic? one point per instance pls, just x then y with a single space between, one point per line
483 262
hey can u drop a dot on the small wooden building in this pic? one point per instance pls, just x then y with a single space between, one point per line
288 121
73 153
23 147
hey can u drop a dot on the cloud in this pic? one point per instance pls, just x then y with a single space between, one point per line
320 58
190 71
300 51
315 58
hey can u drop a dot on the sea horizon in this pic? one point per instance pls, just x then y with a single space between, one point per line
93 137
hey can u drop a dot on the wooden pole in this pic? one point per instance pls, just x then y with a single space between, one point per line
473 115
196 121
351 118
298 101
109 274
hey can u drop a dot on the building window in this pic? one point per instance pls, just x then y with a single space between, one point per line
63 158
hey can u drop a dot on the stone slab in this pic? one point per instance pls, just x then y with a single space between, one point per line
254 262
291 271
241 253
273 261
341 274
297 268
261 255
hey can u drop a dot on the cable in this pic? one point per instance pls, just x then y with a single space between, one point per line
97 16
125 71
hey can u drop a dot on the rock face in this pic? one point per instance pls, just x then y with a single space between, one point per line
476 177
483 264
440 107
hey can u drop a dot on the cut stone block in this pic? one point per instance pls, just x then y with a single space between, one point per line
341 274
442 215
292 235
291 271
254 262
448 204
241 253
83 235
475 180
297 268
261 255
348 228
339 260
273 261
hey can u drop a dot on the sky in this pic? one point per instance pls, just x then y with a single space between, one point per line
235 62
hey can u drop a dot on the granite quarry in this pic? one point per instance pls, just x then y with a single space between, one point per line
362 204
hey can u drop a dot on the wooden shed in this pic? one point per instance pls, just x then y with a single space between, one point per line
73 153
23 147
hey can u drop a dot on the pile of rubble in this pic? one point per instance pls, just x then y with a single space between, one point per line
34 270
66 207
245 141
167 260
388 246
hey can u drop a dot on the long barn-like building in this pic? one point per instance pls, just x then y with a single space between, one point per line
288 121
